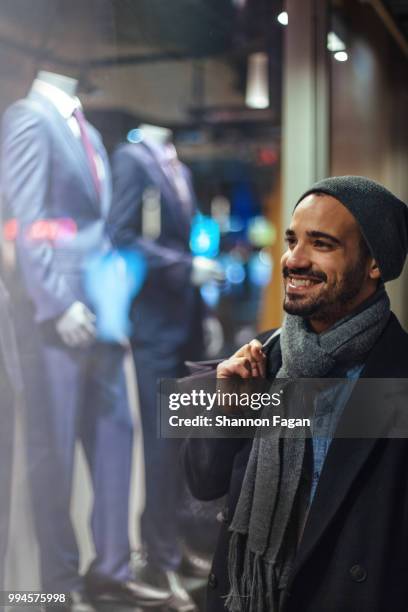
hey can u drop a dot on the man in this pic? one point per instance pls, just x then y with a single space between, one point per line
327 529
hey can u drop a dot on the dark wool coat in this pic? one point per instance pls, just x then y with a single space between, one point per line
353 556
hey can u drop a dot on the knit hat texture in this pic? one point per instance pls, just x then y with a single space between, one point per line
382 217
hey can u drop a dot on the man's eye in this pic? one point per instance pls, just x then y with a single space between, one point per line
321 244
290 241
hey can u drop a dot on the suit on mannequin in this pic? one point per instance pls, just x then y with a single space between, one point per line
54 166
152 208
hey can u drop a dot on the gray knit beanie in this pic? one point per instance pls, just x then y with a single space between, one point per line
382 217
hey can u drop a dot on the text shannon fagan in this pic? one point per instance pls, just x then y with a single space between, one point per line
208 401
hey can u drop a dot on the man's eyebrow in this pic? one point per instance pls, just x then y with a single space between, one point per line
316 234
290 233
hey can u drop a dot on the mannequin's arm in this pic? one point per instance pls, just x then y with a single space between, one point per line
25 170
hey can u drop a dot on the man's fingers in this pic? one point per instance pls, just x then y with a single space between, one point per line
253 354
256 349
236 366
241 352
259 356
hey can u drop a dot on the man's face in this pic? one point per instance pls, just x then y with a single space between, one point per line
325 269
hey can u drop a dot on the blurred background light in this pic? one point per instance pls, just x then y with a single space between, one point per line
221 212
334 43
341 56
210 292
10 230
51 230
205 237
112 281
261 232
283 18
257 86
134 136
235 271
260 268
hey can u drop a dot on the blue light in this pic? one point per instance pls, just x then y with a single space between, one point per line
134 136
260 268
235 272
210 292
112 281
205 237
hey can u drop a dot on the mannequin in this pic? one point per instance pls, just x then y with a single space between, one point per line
167 323
54 166
203 270
76 325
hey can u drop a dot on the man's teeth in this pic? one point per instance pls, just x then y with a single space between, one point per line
297 282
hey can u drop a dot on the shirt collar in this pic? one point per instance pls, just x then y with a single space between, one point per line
64 103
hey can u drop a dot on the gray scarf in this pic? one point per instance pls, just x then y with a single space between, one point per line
274 497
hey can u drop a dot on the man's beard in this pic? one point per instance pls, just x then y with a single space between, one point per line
332 303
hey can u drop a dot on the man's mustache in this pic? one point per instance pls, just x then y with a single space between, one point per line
306 272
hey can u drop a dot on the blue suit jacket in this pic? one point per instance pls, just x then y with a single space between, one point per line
167 314
46 176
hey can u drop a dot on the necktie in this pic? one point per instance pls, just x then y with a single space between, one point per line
89 148
175 173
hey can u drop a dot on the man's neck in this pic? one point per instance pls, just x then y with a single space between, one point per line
319 326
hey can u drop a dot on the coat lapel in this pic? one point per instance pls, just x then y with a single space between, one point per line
74 144
346 457
170 196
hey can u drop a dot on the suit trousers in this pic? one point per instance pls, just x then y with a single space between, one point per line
76 394
160 525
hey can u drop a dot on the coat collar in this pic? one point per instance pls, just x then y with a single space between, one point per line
346 457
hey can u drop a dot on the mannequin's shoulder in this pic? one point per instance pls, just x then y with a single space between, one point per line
135 150
26 111
133 156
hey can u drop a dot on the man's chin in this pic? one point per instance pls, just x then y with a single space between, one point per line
300 307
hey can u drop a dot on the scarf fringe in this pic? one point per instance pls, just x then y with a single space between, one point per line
253 582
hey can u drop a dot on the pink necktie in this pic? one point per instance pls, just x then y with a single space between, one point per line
89 148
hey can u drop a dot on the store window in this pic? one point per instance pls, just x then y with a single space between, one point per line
208 71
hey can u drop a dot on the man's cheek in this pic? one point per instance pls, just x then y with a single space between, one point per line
283 260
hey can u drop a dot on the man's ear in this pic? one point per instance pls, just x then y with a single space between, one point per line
374 271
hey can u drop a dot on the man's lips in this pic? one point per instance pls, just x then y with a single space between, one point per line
296 283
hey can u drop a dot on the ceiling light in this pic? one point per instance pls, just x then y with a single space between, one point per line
341 56
334 43
257 87
283 18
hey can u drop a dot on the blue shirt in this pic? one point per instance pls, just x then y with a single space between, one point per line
328 406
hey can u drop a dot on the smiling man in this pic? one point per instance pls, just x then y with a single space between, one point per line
327 269
319 524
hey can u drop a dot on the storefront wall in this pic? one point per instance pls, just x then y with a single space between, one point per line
369 120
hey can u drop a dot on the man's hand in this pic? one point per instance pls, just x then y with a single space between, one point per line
77 326
248 362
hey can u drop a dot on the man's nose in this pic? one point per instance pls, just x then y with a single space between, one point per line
298 257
